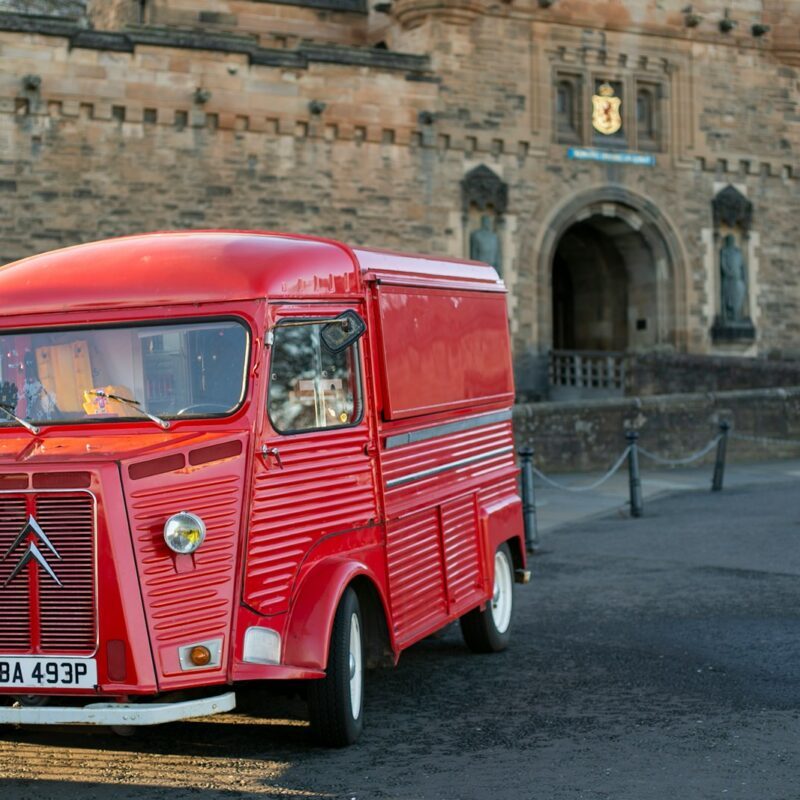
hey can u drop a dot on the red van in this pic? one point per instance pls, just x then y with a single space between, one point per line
232 457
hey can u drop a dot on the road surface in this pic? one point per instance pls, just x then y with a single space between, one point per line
651 658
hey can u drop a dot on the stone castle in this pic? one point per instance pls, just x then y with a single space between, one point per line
630 166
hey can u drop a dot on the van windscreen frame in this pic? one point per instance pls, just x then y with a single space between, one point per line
176 368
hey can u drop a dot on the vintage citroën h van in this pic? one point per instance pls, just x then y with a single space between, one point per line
232 457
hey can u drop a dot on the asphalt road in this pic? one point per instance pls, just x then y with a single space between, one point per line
652 658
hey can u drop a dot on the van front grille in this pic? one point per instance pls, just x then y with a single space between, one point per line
47 573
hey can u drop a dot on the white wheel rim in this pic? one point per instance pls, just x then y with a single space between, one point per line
501 596
355 662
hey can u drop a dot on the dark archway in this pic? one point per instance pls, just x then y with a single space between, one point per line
605 287
590 290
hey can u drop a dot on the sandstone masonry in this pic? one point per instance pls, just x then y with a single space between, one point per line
332 118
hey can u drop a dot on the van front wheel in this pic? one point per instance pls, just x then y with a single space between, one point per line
487 629
336 702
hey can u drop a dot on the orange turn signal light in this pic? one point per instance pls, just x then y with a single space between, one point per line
200 655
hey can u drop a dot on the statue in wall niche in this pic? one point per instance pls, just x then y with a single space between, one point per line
732 211
484 245
734 280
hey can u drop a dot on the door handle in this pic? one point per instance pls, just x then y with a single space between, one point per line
266 452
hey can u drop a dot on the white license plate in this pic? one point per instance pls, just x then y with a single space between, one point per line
33 672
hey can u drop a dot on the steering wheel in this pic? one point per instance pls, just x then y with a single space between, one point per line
199 408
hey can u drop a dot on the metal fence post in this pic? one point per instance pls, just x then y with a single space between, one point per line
528 499
719 464
633 474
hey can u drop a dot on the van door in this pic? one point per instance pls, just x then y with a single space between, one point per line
313 475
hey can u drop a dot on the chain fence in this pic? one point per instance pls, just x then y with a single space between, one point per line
631 453
589 487
682 462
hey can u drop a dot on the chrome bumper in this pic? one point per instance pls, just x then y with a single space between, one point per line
122 714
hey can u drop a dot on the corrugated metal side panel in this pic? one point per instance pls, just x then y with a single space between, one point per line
15 611
432 520
500 489
406 461
67 612
461 551
416 578
325 485
194 603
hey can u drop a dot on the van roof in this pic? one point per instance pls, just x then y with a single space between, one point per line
174 268
384 265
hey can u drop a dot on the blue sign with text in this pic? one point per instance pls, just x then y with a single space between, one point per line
611 156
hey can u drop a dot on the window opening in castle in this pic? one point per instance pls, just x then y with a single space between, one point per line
646 124
567 114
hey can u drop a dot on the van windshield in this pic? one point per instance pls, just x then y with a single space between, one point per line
195 369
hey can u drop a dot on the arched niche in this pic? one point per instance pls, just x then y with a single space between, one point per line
636 248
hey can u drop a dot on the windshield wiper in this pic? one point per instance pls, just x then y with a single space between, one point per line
162 423
25 424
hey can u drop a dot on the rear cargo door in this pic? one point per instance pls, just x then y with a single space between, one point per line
313 475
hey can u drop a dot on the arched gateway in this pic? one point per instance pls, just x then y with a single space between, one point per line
611 272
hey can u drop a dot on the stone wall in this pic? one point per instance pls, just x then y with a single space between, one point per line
370 145
115 139
114 14
283 23
666 373
71 9
589 436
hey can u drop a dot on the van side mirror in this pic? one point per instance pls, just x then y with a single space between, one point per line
342 331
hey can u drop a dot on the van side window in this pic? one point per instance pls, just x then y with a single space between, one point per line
309 386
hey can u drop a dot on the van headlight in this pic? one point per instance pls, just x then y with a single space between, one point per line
184 532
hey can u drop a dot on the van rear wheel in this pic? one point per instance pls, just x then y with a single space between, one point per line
336 702
487 629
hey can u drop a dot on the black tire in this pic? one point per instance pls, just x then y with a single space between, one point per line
479 627
335 705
